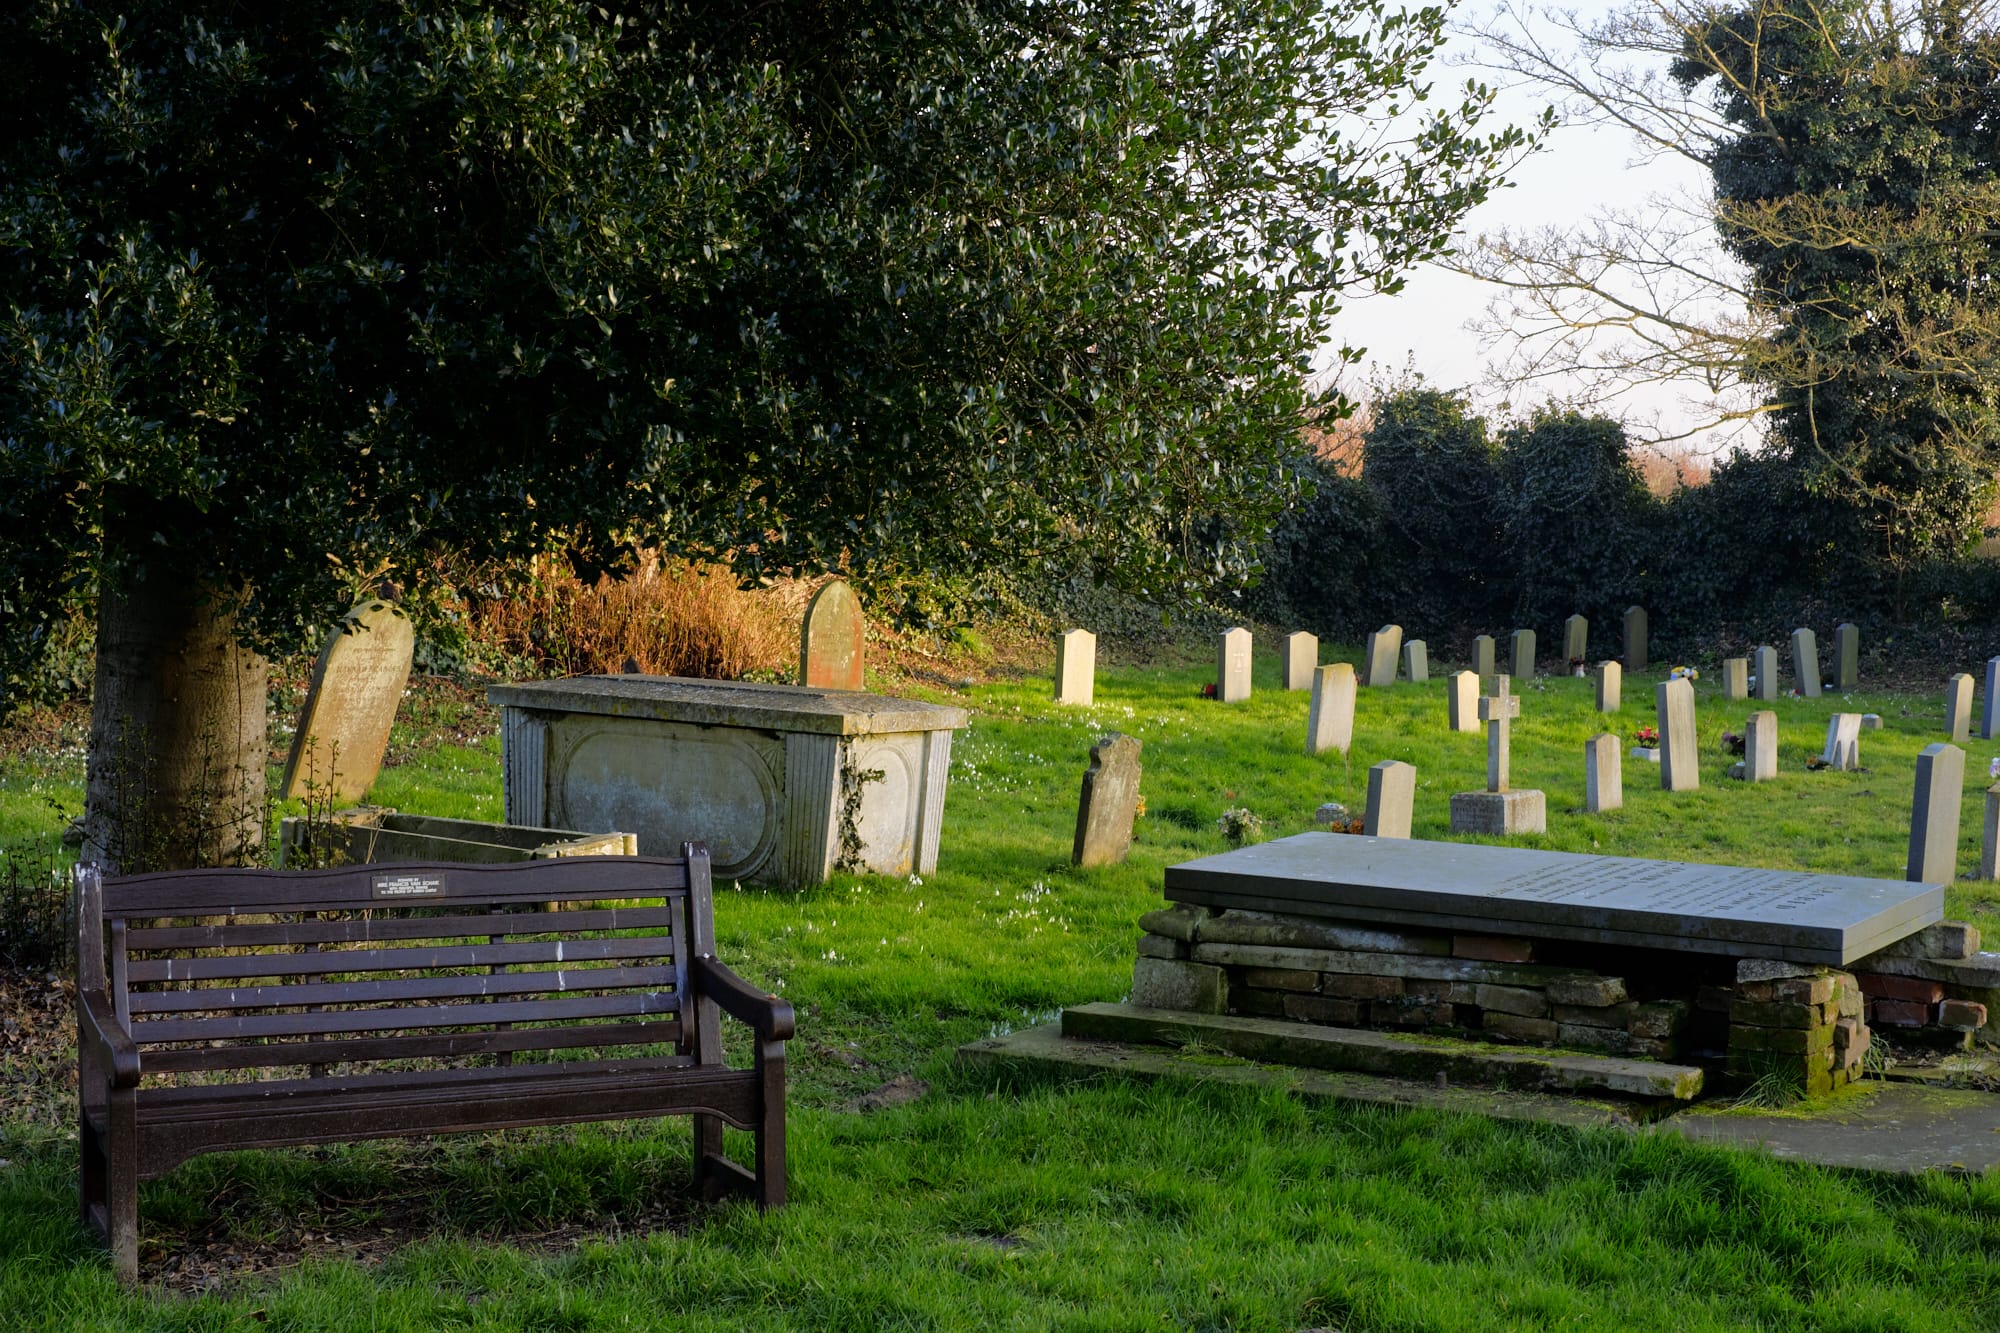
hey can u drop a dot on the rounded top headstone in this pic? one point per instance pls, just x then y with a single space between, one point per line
830 654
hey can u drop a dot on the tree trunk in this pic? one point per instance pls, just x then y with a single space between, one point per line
177 736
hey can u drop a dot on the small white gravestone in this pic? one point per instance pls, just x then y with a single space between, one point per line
1934 815
1232 665
1805 662
1674 705
1610 686
1521 654
1076 667
350 704
1301 656
1735 678
1462 701
1392 794
1576 639
1765 669
1385 645
1330 717
1482 658
1417 662
1760 747
1635 638
1843 742
1846 657
1603 774
1958 708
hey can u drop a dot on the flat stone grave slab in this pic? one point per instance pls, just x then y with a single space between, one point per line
1734 910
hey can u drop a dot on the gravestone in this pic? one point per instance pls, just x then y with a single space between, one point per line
1958 708
1934 815
1603 774
1385 645
1109 802
1392 794
1521 654
1764 664
1843 742
1482 658
1417 662
830 653
1076 667
1232 665
1497 810
1576 640
1989 847
1735 678
1674 705
1301 657
1805 662
1462 701
1846 657
1760 747
351 701
1610 687
1635 638
1330 717
1989 710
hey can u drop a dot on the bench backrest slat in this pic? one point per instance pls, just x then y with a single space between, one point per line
441 1045
383 928
402 990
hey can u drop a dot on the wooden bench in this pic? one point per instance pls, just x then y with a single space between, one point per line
227 1009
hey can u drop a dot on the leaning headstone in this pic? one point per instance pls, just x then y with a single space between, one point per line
1392 794
1765 669
1482 658
1805 662
1330 717
1603 774
1610 687
1635 638
1497 810
1674 704
1109 802
1958 708
1989 847
1417 661
1385 645
1521 654
1076 666
1735 678
1846 657
1462 700
1934 815
1843 742
1989 710
350 703
1232 665
1301 656
1576 639
1760 747
830 652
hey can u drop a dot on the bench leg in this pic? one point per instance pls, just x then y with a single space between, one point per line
771 1131
108 1184
708 1182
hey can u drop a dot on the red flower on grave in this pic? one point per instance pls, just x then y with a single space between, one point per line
1208 690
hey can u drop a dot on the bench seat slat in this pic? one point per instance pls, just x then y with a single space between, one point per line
385 1020
384 927
442 1045
401 990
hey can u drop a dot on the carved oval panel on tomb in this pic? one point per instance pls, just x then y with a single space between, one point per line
886 820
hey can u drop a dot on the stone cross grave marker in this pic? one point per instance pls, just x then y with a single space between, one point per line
1765 668
1934 815
1462 701
1109 802
1392 793
1232 665
1482 658
1498 809
1674 709
1805 662
1843 742
1521 654
1076 667
1498 712
830 653
1846 657
1610 686
1603 773
350 703
1576 639
1385 645
1301 657
1958 708
1735 678
1989 708
1330 717
1760 746
1417 661
1635 638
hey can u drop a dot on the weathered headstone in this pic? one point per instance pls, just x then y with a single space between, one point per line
1521 654
1760 747
1805 662
1498 810
1462 700
1392 794
1109 802
1482 658
1735 678
1385 646
1417 661
1765 668
1989 847
1846 657
830 653
1610 687
1232 665
1934 815
1301 656
1958 708
1576 640
1330 717
1843 742
1635 638
350 703
1674 705
1076 667
1989 708
1603 774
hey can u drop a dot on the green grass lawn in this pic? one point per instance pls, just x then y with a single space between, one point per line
1023 1202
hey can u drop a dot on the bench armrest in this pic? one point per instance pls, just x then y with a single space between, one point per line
98 1029
769 1015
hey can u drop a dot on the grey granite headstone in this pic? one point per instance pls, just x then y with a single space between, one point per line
1674 706
1482 658
1521 654
1958 708
1301 656
1385 646
351 702
1576 639
1392 794
1635 638
1843 742
1764 666
1760 746
1330 717
1989 847
1729 910
1232 665
1610 687
1462 701
830 640
1735 678
1934 815
1846 657
1805 662
1989 707
1109 802
1076 667
1603 773
1417 662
